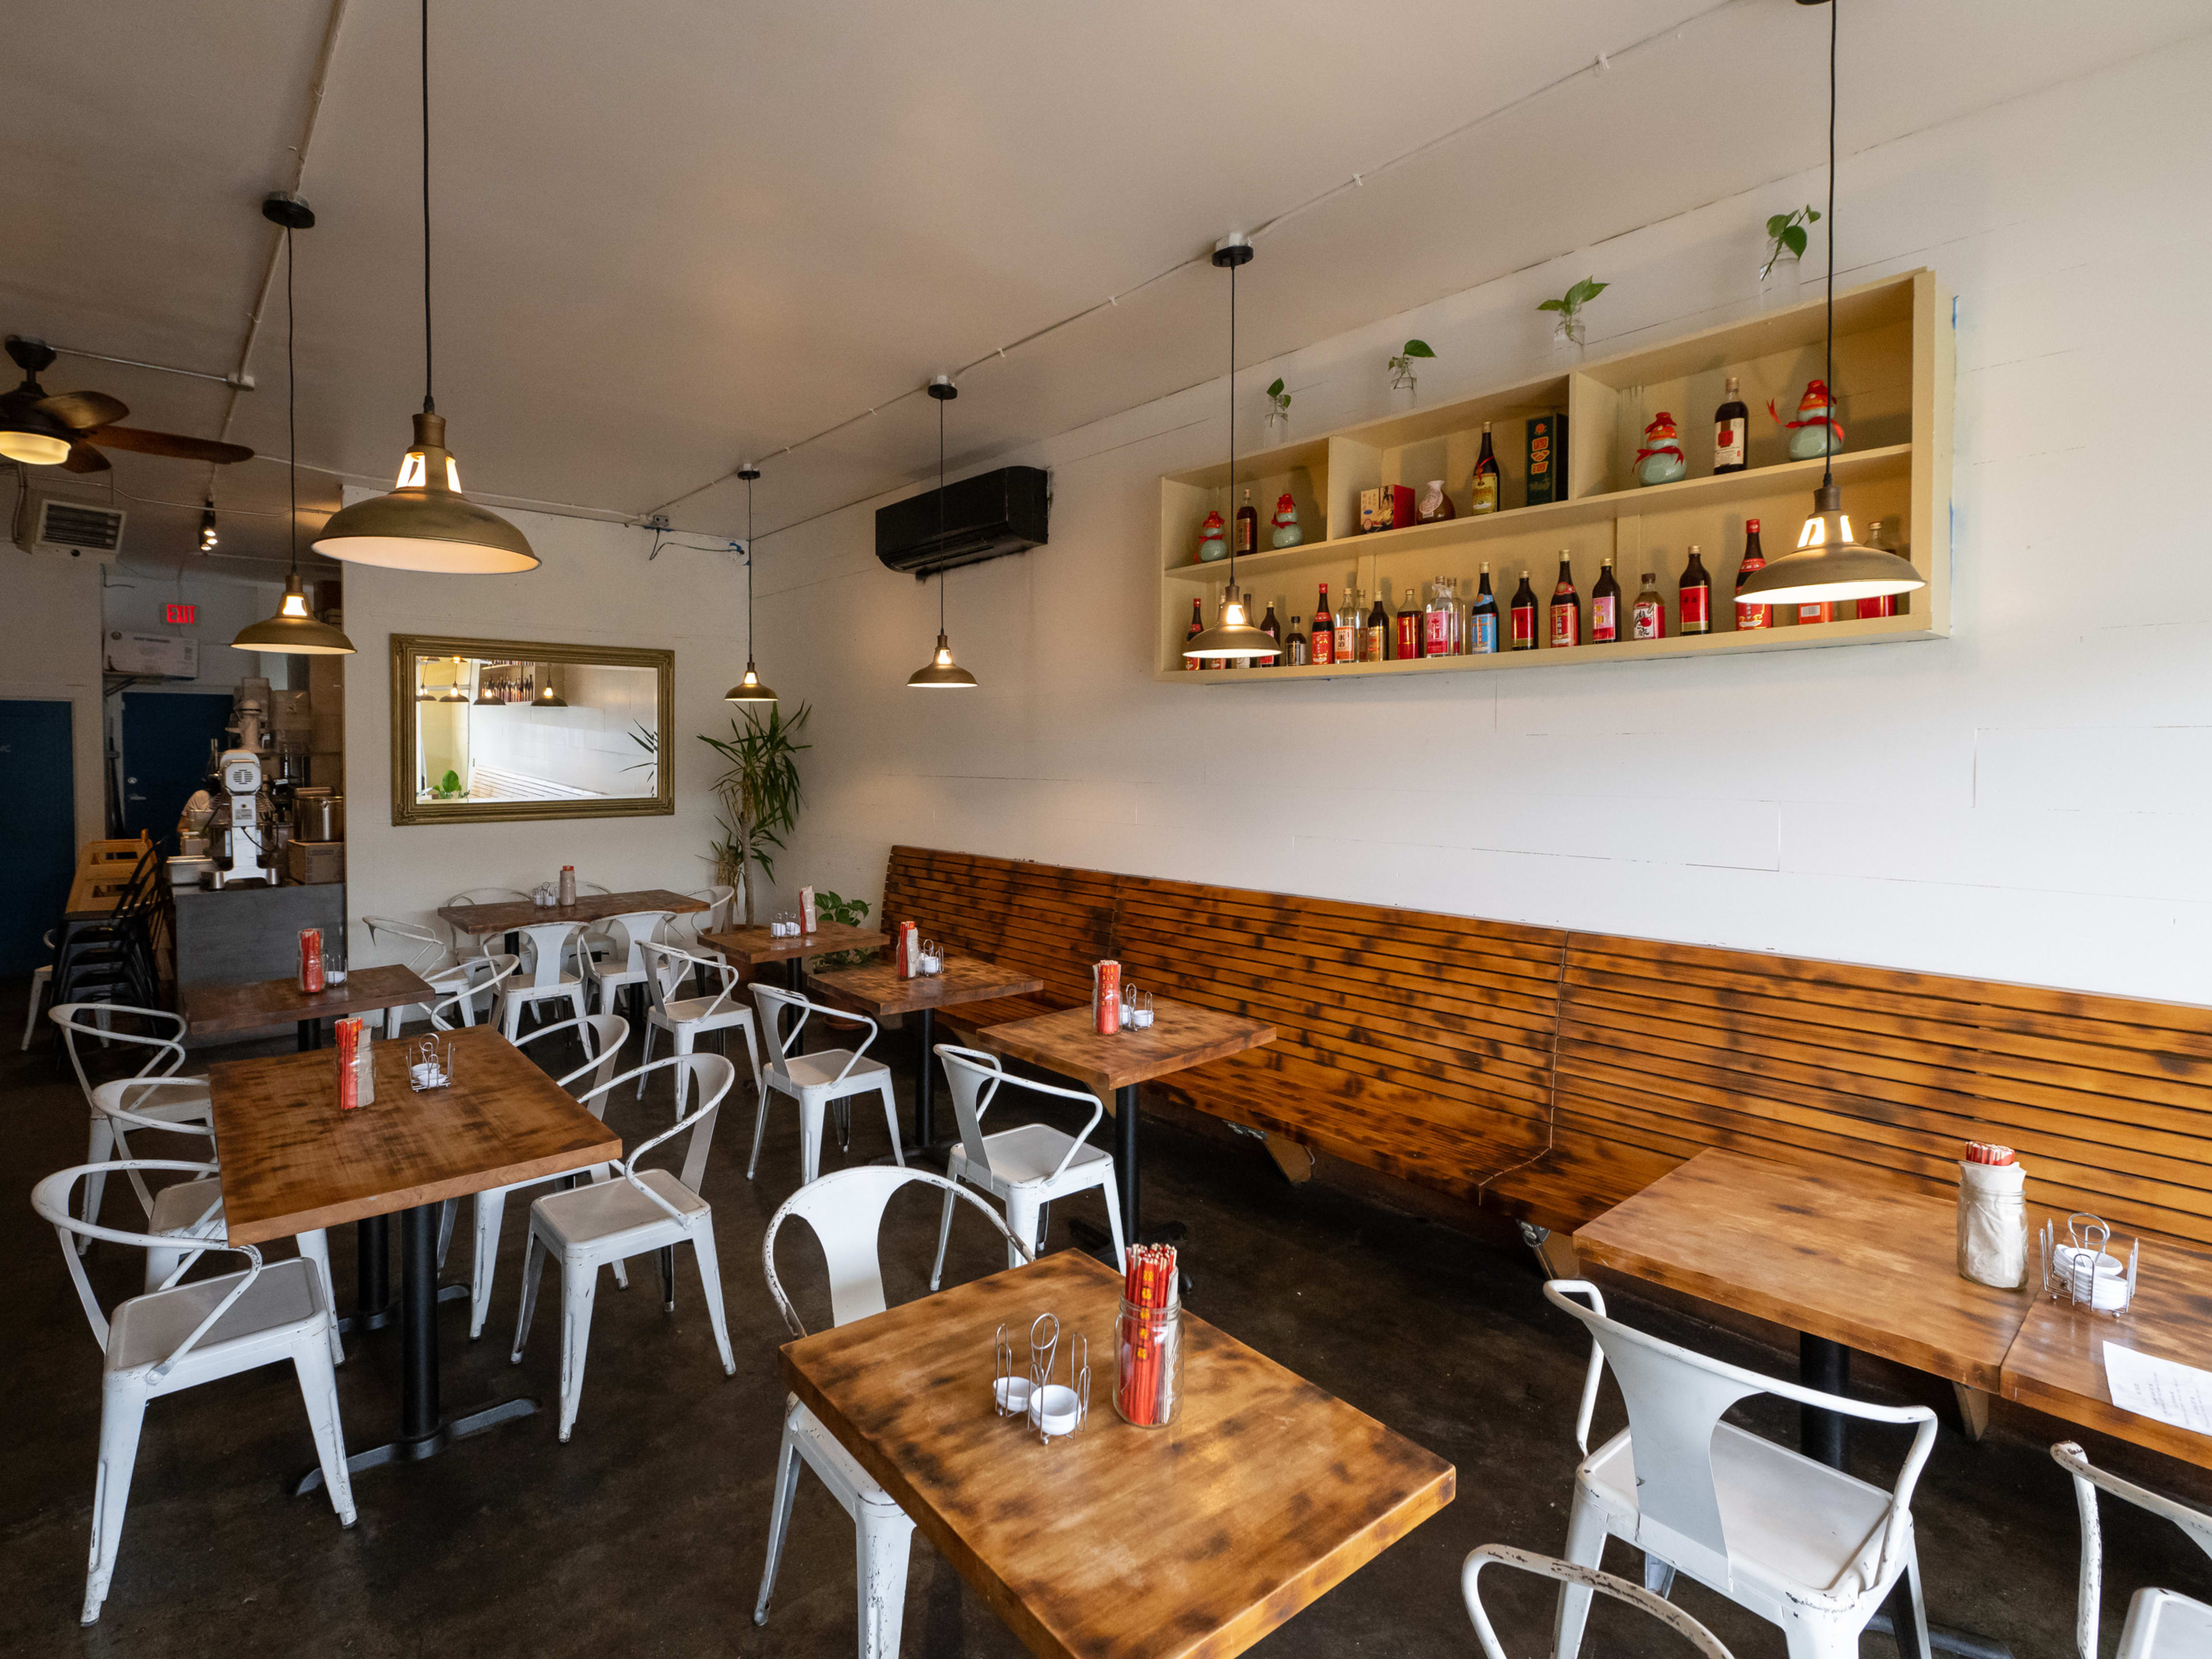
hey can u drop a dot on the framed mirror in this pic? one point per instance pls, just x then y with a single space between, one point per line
486 731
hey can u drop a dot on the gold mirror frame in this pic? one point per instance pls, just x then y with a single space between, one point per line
408 650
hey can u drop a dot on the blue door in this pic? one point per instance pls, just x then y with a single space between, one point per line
165 755
38 830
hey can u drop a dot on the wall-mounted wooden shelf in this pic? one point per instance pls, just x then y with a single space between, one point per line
1893 375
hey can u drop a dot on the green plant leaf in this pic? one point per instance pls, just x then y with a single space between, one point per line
1551 305
1584 291
1811 215
1419 349
1778 222
1276 390
1793 238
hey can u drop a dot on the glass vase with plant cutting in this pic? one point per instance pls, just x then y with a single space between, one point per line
1277 420
1786 249
1403 382
1567 323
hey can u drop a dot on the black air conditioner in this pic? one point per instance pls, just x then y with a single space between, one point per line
984 516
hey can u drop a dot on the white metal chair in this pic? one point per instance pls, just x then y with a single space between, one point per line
433 962
607 1221
602 1035
2160 1623
479 895
616 952
845 1209
816 1080
1026 1167
692 928
186 1105
179 1336
547 946
684 1018
42 978
1804 1547
1589 1579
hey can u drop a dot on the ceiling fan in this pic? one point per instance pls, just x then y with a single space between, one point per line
70 428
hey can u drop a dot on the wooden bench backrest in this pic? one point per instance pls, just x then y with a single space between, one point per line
1558 1073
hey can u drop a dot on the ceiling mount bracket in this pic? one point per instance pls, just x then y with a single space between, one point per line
280 207
1234 249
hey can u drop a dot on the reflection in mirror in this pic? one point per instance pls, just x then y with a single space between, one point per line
490 731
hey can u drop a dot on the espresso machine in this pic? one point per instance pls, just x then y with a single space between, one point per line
239 827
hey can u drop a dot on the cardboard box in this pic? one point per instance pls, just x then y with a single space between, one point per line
1390 508
311 862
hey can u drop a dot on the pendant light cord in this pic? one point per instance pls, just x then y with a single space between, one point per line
945 575
291 409
748 571
429 360
1828 447
1232 433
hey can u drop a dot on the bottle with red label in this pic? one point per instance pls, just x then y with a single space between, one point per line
1349 626
1883 535
1375 644
1731 430
1647 617
1809 614
1747 614
1436 621
1248 528
1524 611
1323 636
1567 609
1197 627
1409 629
1482 619
1604 607
1697 597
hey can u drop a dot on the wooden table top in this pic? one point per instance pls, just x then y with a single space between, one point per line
1835 1251
1182 1035
292 1161
748 945
214 1010
2058 1361
509 914
1191 1541
875 988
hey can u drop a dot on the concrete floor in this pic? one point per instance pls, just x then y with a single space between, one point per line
644 1534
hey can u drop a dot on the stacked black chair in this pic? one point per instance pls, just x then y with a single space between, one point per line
112 959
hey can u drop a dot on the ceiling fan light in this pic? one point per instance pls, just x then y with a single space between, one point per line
941 673
293 631
33 437
426 525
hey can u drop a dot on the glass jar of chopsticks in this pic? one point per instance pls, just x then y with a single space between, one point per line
1147 1364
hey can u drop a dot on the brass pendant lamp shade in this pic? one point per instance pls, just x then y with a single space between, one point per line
749 688
1828 566
1233 635
425 523
940 672
293 631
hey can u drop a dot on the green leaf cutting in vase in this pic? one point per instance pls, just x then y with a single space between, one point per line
1399 363
1281 398
1570 304
1785 233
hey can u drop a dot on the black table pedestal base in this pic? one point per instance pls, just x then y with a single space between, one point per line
414 1451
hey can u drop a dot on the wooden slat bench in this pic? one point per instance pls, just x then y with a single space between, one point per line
1555 1074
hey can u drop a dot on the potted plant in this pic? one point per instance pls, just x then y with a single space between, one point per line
1785 247
1402 371
1278 414
1567 325
760 795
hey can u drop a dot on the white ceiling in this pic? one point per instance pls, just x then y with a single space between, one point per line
676 234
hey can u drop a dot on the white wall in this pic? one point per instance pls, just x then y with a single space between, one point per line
595 586
49 650
2026 800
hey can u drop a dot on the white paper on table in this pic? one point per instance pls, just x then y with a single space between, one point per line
2161 1388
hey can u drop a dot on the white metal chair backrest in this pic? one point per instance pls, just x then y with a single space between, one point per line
976 1076
666 967
712 1076
1675 1399
482 896
716 916
845 1208
546 945
1567 1572
122 1103
503 968
428 950
602 1035
97 1019
772 1002
50 1198
2087 1478
632 931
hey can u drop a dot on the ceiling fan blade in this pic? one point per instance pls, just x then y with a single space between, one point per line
83 457
168 443
82 409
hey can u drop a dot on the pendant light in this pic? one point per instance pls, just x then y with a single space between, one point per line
425 523
1233 636
485 693
749 688
941 673
547 697
292 630
1827 565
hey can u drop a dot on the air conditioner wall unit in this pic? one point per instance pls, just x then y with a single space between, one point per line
985 517
54 526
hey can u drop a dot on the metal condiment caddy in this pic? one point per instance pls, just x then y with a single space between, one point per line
2082 1271
1054 1410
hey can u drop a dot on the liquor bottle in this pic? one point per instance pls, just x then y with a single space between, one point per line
1605 608
1348 622
1882 534
1409 627
1248 528
1566 610
1197 627
1482 620
1273 630
1648 619
1297 645
1375 646
1697 601
1323 638
1215 662
1524 616
1462 607
1731 429
1436 621
1748 614
1485 487
1251 662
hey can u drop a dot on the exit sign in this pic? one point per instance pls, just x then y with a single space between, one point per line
178 615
